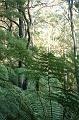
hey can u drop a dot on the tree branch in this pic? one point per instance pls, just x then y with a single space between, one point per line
3 27
13 21
4 22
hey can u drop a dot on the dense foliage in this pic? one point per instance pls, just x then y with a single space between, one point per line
36 82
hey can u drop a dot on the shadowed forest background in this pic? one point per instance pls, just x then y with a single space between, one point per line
39 59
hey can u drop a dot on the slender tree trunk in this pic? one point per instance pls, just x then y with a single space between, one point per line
74 42
29 23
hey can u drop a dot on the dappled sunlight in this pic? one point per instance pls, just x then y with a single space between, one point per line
39 60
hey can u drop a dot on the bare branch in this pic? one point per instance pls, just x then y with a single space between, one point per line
4 22
3 27
13 21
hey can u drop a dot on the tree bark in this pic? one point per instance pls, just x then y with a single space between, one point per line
74 42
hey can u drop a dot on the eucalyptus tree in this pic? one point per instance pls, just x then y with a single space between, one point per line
16 15
71 4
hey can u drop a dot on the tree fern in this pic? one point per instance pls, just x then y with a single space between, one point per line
13 105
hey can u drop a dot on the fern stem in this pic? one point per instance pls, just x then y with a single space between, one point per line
42 106
49 89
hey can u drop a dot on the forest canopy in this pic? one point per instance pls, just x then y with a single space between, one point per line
39 60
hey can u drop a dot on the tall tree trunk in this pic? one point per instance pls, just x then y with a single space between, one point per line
21 36
74 42
22 31
29 23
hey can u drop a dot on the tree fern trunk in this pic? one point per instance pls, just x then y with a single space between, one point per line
49 88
